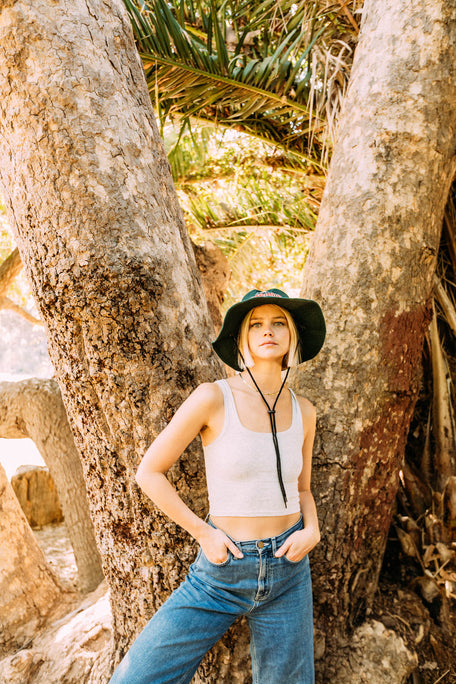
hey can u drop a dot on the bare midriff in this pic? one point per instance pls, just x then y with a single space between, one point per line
247 528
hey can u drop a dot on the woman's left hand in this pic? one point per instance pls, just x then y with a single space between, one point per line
298 544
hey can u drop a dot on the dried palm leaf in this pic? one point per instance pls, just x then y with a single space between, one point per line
429 554
443 418
445 554
418 491
449 496
446 304
407 543
428 587
434 528
449 231
425 463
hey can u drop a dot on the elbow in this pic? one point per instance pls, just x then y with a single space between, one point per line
140 473
142 476
146 478
139 477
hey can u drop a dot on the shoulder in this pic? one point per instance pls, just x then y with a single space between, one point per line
207 395
207 403
308 410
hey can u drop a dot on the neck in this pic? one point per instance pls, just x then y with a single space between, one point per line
268 376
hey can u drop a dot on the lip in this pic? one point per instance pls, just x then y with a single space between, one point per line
266 344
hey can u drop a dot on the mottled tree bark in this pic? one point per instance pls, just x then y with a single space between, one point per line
214 269
91 201
28 587
33 408
371 267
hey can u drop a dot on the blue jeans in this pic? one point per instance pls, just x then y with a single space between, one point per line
275 595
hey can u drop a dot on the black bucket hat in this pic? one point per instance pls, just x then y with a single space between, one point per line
306 314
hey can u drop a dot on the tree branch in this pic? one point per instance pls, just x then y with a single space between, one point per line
9 270
6 303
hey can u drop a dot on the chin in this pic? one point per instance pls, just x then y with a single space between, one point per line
269 355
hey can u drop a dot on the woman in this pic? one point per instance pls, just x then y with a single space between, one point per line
253 558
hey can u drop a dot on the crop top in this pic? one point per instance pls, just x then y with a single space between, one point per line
241 469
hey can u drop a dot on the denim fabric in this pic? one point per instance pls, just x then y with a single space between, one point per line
275 595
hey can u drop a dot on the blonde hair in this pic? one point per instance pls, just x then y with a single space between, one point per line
291 358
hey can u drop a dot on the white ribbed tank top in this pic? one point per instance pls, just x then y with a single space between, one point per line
241 466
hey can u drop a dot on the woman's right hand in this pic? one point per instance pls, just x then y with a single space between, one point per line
216 544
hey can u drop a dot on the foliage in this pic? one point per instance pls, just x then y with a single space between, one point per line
270 76
263 198
234 193
264 261
266 69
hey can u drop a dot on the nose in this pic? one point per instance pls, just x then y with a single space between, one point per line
267 331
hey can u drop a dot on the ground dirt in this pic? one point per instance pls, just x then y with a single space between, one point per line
424 630
56 546
75 643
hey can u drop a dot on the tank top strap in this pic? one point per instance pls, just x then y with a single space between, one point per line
228 400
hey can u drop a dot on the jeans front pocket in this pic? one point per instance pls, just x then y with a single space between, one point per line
296 562
202 557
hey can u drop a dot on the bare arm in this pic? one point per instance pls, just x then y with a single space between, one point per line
301 542
193 416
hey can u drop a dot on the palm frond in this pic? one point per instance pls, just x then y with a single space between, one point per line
265 95
208 154
258 205
264 260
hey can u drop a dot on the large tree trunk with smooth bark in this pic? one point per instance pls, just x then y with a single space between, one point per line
91 201
28 587
371 266
33 408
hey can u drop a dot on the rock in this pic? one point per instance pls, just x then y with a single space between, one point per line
56 546
74 649
37 495
377 656
29 590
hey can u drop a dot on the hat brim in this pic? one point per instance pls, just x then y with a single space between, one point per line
307 315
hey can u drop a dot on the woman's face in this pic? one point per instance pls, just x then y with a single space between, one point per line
269 335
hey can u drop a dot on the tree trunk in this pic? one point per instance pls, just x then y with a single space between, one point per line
28 587
98 225
33 408
214 270
371 266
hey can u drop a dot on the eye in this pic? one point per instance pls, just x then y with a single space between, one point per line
255 325
280 323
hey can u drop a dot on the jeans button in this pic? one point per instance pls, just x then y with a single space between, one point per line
260 544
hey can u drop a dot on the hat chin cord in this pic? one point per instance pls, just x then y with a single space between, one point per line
272 420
